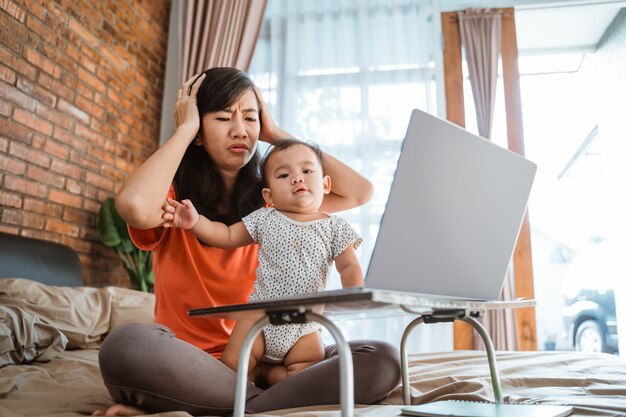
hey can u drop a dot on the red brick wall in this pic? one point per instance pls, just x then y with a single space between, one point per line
81 85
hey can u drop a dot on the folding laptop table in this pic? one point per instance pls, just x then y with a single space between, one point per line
356 303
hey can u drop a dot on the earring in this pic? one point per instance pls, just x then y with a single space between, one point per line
197 141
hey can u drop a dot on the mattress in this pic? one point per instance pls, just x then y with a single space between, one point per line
49 362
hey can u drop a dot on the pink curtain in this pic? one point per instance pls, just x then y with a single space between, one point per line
219 33
205 34
480 37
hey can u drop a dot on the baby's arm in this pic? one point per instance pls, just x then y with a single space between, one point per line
185 215
349 269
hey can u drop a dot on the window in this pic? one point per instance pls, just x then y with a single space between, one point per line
575 247
347 76
573 220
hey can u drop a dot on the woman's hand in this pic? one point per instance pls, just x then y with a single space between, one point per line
140 201
186 112
270 132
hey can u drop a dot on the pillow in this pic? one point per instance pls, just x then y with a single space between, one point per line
130 306
25 338
83 314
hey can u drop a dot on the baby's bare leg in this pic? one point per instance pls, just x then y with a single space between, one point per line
230 357
307 351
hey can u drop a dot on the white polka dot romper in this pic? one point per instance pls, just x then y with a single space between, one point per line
294 258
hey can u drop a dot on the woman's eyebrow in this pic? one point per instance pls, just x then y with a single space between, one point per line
251 110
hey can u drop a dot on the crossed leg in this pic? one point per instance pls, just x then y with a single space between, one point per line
133 356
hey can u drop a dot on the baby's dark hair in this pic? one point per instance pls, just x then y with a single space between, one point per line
284 145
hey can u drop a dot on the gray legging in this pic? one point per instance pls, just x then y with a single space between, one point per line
145 365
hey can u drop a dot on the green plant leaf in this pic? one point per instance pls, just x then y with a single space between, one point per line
134 279
150 278
108 230
113 232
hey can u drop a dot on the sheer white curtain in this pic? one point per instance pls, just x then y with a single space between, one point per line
346 74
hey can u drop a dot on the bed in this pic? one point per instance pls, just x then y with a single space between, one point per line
52 326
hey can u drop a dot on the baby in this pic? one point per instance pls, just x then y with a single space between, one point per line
297 246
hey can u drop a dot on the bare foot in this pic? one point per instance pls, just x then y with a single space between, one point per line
119 410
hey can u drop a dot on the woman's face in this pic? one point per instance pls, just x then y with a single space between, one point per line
230 136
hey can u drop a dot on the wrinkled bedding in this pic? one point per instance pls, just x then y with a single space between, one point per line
68 382
595 384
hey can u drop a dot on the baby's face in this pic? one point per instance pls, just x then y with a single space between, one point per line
295 180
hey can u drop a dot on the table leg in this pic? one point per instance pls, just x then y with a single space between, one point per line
406 387
242 367
346 373
491 357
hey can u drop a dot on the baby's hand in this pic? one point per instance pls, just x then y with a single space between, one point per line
183 214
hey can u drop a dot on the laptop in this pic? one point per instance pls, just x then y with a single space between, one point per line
450 224
454 212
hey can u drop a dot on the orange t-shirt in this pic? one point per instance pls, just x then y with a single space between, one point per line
189 274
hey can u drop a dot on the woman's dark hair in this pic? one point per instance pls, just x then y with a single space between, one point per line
286 144
196 178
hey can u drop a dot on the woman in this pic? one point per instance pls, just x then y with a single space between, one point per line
212 160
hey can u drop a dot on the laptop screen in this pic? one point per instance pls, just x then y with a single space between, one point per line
454 211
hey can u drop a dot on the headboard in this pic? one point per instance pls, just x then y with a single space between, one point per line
46 262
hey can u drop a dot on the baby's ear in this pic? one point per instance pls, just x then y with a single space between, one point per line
326 181
267 196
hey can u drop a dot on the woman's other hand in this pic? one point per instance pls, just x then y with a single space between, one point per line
186 111
183 215
270 132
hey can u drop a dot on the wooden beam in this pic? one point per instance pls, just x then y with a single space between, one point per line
453 68
455 111
522 257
